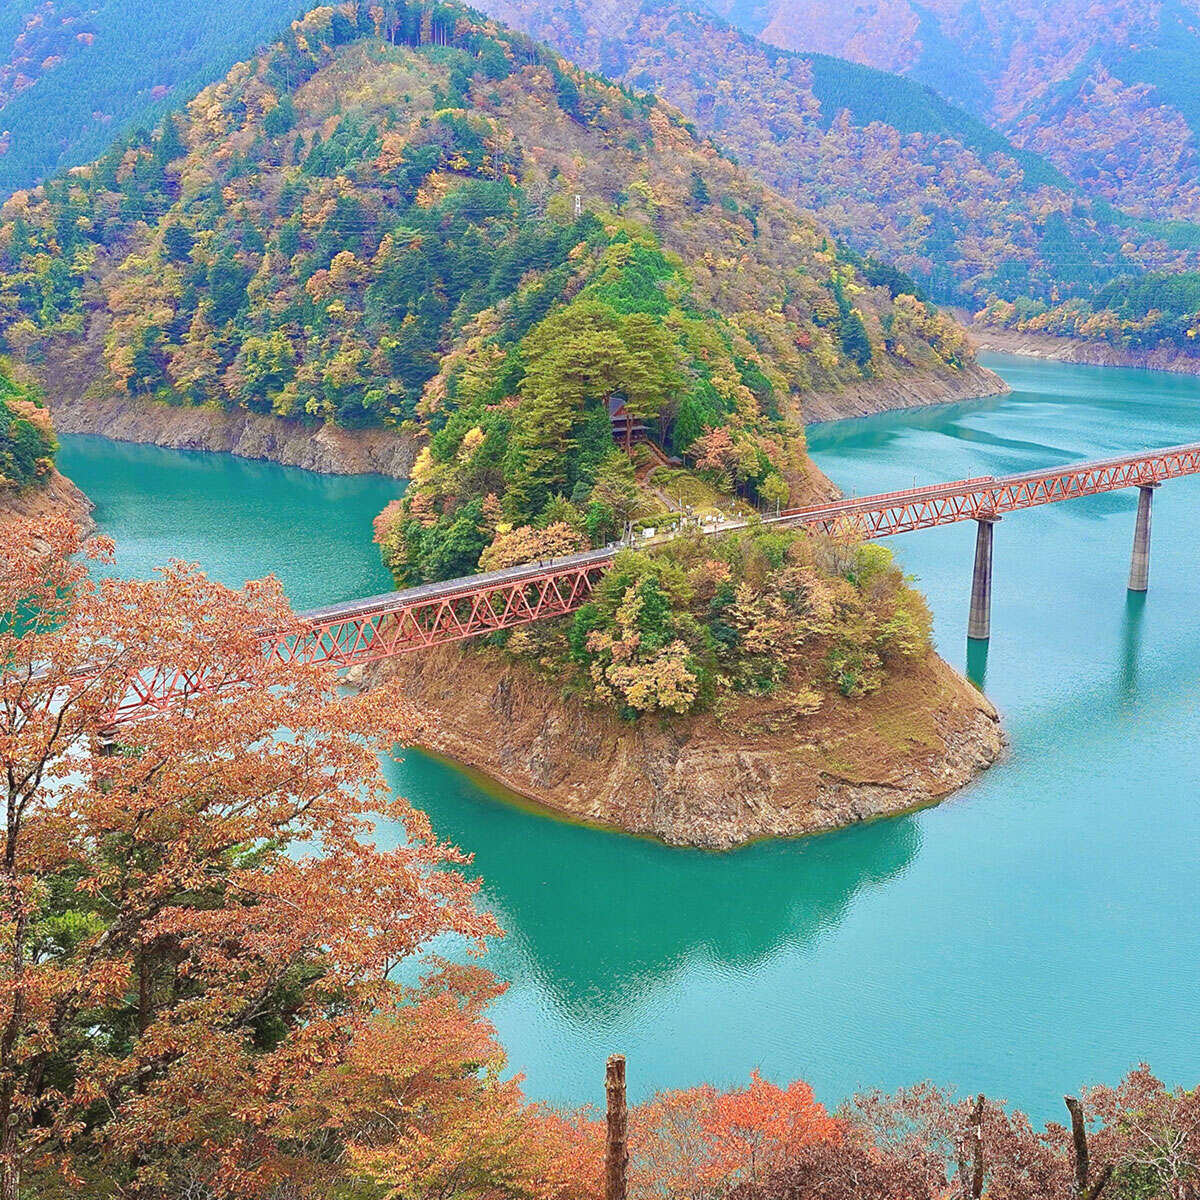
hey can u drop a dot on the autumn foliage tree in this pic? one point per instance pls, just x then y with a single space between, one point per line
199 929
702 1142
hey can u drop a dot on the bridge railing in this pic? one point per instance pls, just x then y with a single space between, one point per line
378 627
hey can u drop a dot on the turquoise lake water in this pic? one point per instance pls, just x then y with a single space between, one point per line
1037 931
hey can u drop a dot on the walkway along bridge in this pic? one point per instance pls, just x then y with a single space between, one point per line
366 631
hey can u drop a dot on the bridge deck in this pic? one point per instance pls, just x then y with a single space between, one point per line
377 627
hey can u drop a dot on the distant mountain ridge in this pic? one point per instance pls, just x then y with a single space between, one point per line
889 165
1108 90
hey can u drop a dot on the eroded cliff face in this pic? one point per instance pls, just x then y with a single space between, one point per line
971 382
754 772
1074 350
84 399
55 495
323 448
93 408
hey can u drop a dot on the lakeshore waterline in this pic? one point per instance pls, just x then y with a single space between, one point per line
1036 931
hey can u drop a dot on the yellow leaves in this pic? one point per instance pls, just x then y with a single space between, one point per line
525 544
422 469
343 369
119 359
471 442
345 270
287 401
17 205
437 186
728 385
386 247
340 314
663 681
391 153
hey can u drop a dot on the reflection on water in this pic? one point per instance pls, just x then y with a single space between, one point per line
602 921
1131 640
977 657
1035 932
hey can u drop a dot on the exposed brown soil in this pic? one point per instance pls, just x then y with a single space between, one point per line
54 495
1075 350
757 772
972 382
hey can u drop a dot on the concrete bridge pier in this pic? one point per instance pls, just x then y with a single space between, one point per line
1139 565
979 626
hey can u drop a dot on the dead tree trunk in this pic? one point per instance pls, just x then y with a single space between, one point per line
616 1150
1084 1187
970 1158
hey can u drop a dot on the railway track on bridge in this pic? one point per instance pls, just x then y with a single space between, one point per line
365 631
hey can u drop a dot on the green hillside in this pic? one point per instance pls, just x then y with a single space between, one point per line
27 443
330 229
409 218
86 71
909 107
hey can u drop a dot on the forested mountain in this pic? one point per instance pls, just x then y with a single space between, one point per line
1151 314
405 216
1108 90
27 443
74 74
334 216
889 165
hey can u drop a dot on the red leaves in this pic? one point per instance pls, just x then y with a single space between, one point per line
705 1139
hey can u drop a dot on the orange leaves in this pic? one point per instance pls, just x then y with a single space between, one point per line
756 1129
702 1142
526 544
421 1107
213 922
715 450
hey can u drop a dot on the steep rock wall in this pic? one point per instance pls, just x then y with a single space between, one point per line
322 448
972 382
55 495
700 781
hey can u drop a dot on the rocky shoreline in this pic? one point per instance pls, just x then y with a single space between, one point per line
54 495
334 451
1075 350
82 403
972 382
323 448
699 781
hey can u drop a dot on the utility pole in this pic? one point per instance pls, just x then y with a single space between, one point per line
616 1147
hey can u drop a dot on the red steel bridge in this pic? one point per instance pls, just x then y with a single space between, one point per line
366 631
